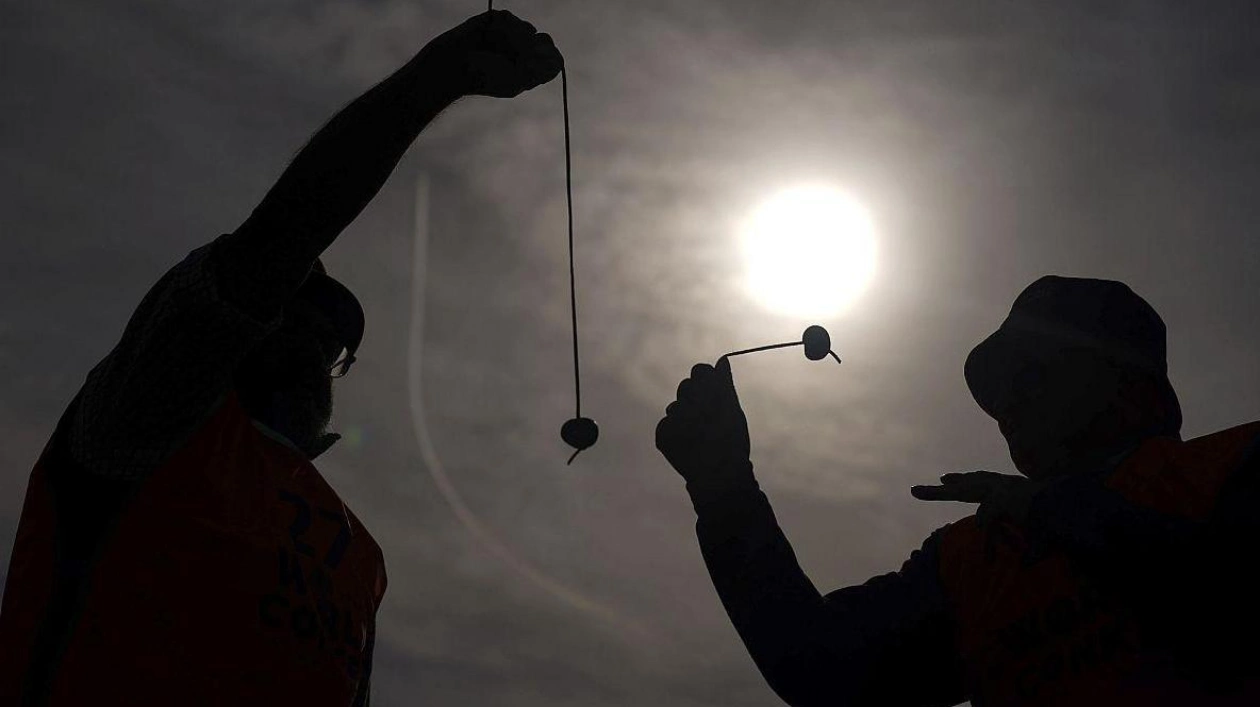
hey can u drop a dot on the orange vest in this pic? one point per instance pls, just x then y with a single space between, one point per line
1035 632
233 575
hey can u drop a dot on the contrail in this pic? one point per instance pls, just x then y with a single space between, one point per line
433 463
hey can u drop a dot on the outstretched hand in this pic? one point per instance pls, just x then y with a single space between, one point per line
497 54
704 432
1003 497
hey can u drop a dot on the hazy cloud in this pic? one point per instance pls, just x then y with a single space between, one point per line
993 143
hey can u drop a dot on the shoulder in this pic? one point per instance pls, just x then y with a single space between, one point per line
1231 444
1187 478
1226 453
1237 451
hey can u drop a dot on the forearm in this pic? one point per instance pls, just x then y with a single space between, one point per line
851 647
776 610
330 181
755 572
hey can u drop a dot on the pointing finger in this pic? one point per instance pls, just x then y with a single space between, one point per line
962 494
723 374
977 476
724 366
931 493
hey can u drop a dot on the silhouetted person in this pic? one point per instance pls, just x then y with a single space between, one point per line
177 546
1118 570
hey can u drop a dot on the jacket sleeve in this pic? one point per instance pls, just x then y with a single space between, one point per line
172 365
887 641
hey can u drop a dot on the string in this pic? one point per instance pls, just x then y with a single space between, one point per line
777 346
763 348
481 532
568 191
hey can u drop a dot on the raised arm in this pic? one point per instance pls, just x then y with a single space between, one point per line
887 641
345 164
180 348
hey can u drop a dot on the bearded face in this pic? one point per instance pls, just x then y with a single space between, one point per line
284 382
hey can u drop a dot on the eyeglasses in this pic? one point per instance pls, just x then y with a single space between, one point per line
312 323
342 366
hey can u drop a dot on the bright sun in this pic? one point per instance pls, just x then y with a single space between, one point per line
809 251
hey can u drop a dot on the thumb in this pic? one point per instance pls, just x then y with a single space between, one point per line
723 369
725 379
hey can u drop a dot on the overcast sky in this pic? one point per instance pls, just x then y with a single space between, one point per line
992 143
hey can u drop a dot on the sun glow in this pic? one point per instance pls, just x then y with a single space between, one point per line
809 251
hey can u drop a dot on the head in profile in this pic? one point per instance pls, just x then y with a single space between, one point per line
1076 374
285 382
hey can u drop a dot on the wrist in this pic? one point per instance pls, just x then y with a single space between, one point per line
437 77
724 490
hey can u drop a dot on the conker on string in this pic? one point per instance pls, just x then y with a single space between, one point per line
817 343
580 433
816 340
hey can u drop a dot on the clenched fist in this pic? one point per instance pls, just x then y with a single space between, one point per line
497 54
704 434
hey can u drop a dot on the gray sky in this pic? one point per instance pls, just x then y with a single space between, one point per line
992 142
